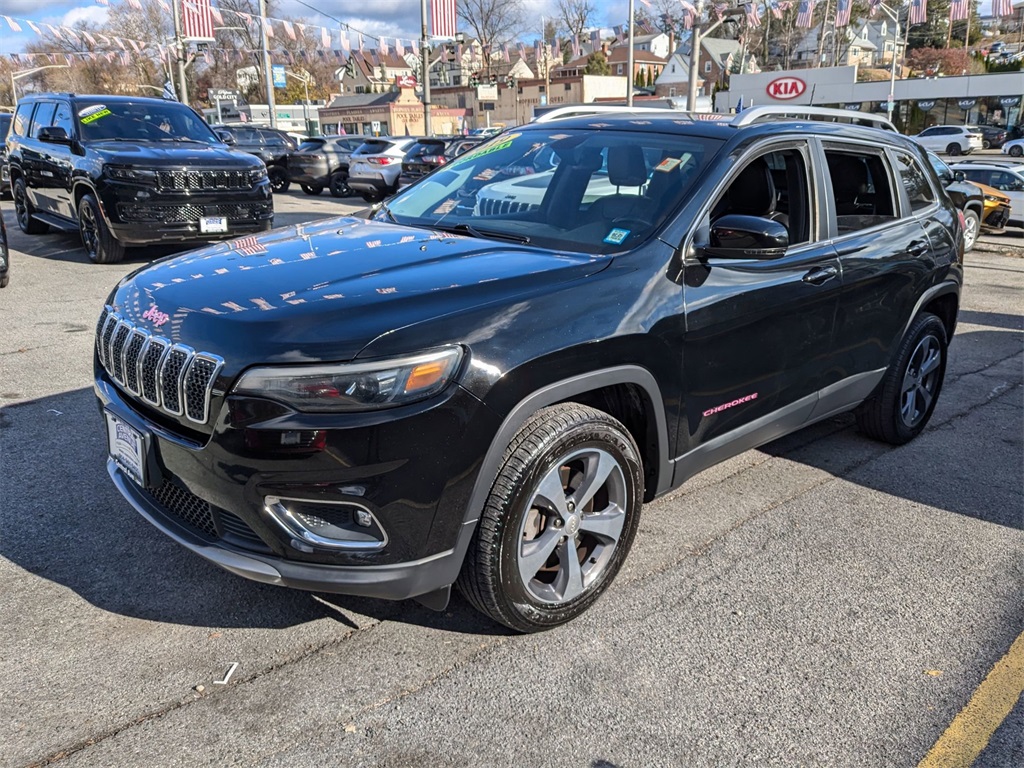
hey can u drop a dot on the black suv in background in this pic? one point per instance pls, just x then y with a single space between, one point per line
129 171
441 396
5 171
321 162
268 144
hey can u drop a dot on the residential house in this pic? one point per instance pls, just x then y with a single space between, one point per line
375 72
716 60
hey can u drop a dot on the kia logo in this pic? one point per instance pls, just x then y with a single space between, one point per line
786 88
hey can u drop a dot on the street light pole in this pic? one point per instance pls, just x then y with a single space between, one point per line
892 64
629 59
267 76
425 67
305 107
179 52
26 72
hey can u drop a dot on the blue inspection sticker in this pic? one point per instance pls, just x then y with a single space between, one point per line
616 236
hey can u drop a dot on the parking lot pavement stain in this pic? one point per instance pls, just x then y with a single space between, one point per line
991 703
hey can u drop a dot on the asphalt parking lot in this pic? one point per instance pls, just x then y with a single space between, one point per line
822 601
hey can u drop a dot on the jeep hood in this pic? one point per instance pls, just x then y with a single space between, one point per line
146 154
323 291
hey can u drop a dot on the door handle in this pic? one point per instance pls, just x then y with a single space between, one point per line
917 248
820 275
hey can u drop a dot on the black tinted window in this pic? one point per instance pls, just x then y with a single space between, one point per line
421 148
42 118
5 125
63 119
21 118
861 190
919 191
374 147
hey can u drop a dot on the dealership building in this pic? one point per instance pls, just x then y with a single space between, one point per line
992 99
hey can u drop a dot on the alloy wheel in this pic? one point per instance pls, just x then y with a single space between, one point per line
88 229
572 526
920 381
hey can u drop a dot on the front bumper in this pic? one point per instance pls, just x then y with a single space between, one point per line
997 218
137 216
390 466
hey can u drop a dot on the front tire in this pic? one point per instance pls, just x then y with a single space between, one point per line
559 521
24 212
100 245
312 189
1016 151
972 228
904 401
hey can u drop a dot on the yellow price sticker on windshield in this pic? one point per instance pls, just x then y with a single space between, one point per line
95 116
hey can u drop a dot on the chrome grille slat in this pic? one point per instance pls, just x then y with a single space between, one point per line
199 181
172 377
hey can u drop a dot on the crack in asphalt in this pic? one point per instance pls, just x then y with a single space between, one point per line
693 552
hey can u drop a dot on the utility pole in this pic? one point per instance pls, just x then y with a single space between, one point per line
629 59
179 52
696 37
268 77
425 67
821 35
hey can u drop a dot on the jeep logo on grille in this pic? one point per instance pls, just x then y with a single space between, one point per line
786 88
155 316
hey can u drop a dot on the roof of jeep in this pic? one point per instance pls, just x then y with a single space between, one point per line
106 97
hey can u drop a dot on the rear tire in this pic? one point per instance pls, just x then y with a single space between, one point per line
904 401
24 212
278 180
100 245
312 189
559 521
972 228
953 150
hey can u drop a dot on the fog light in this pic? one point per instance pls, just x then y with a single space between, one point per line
337 525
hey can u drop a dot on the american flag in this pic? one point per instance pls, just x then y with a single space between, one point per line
443 20
754 14
576 46
805 14
873 6
505 53
248 246
595 39
1002 8
959 10
843 13
776 10
918 12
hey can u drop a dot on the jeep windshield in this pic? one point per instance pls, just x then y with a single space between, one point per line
142 121
589 191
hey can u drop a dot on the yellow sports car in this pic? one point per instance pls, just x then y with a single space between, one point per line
997 207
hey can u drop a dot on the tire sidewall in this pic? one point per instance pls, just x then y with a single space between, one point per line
514 592
968 214
18 189
925 326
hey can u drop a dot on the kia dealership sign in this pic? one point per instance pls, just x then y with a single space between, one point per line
786 88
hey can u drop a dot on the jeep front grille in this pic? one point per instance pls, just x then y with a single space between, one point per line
203 181
172 377
191 213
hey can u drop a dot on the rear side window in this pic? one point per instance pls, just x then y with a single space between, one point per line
861 189
20 125
43 118
919 191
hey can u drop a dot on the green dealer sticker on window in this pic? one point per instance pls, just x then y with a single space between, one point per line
91 114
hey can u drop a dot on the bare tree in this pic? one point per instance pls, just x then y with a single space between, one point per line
493 21
576 15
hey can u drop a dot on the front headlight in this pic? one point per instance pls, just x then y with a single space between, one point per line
994 199
352 387
258 174
129 173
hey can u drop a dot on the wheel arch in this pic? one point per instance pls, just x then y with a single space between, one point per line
629 393
942 300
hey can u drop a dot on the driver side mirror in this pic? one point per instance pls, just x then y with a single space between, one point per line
736 236
227 137
54 134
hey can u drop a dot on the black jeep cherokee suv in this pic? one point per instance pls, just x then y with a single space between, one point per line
130 171
439 396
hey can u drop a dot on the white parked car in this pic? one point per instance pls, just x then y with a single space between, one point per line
375 167
1014 148
1005 175
950 139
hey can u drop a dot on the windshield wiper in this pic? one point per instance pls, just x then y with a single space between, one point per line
487 234
181 138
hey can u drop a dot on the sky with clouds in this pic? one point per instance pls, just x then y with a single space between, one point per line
390 18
